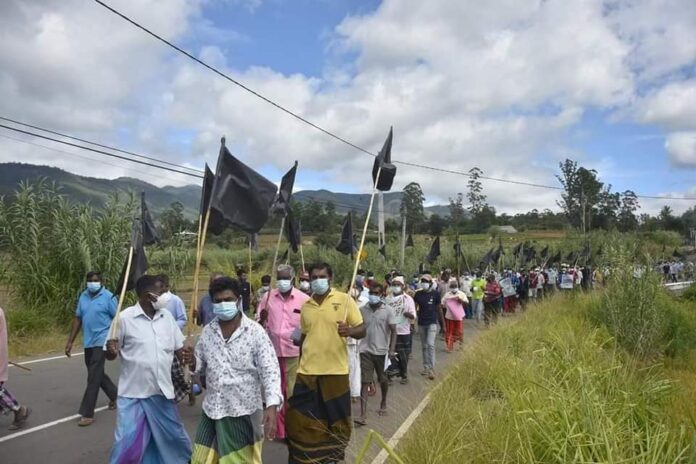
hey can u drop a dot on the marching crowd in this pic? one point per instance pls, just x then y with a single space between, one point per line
287 363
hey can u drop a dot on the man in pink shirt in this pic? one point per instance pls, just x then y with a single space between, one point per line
279 313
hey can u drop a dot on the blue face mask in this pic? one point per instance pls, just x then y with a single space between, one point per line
374 299
94 287
284 285
225 310
320 286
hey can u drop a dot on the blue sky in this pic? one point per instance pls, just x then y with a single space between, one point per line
512 87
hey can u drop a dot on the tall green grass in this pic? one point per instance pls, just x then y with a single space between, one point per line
552 387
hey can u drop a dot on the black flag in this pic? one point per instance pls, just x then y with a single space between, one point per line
571 257
383 159
216 224
241 195
555 258
292 232
285 255
148 226
530 254
409 241
383 250
139 262
545 252
434 251
486 260
516 250
285 191
347 243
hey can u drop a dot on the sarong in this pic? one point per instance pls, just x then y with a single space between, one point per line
288 373
8 403
354 370
454 332
149 431
319 419
230 440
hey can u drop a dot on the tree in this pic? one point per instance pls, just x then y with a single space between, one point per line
477 200
172 220
627 212
436 224
411 207
456 209
581 193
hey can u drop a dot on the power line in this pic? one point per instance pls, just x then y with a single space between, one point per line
297 116
67 136
198 173
22 131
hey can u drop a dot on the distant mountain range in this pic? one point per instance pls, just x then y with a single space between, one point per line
96 191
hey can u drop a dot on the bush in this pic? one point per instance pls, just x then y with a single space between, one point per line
550 388
690 293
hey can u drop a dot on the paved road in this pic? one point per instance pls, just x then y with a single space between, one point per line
54 388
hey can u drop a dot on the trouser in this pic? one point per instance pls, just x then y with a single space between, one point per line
468 312
7 401
403 349
491 311
96 379
477 307
454 333
428 333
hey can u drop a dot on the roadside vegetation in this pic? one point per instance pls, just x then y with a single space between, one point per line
608 377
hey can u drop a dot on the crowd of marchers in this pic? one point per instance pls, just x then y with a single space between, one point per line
296 361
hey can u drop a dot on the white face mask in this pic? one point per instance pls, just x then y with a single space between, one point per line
162 300
304 285
396 290
284 285
425 286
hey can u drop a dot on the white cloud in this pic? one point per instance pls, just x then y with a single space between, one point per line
497 84
681 147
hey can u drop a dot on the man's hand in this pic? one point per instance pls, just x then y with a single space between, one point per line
68 349
263 317
269 422
112 347
187 353
343 329
409 316
392 355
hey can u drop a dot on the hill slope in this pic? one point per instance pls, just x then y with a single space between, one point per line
96 191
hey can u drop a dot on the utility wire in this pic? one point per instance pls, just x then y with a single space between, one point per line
45 137
297 116
72 137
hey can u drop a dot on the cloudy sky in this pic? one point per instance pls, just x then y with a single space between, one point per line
510 86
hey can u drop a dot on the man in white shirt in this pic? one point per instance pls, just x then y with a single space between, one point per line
404 310
146 337
242 374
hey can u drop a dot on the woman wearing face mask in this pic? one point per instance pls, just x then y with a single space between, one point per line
242 374
454 303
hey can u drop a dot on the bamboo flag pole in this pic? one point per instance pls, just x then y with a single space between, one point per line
302 256
197 270
275 256
362 239
114 325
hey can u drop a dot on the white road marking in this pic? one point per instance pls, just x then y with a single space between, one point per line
52 358
401 431
45 426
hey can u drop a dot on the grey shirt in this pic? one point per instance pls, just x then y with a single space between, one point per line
377 321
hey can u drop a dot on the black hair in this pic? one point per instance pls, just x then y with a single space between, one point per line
91 274
377 286
266 278
361 272
146 284
241 271
164 278
222 284
320 265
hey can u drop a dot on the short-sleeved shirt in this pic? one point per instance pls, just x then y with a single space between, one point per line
428 304
478 285
324 352
283 320
401 305
146 348
377 321
96 311
177 309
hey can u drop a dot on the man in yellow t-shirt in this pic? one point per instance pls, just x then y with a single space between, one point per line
318 420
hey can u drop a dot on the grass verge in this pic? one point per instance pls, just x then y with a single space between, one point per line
554 387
